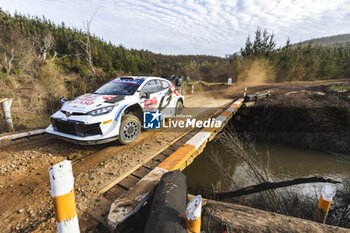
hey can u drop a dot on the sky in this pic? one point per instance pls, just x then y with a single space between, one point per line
212 27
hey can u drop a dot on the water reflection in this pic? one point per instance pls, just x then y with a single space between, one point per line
284 162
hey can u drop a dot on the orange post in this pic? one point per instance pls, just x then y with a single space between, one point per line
193 214
327 193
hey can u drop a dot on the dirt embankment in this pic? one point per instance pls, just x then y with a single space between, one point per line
311 116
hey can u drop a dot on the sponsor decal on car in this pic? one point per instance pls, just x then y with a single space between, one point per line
127 81
120 112
151 102
86 102
176 92
108 97
87 97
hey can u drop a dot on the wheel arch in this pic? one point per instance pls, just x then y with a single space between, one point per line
181 99
136 110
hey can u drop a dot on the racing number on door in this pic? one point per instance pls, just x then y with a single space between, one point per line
166 95
152 87
160 95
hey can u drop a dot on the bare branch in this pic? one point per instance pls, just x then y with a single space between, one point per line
44 46
87 44
8 59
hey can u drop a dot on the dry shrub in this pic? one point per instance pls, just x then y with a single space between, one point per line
53 82
257 170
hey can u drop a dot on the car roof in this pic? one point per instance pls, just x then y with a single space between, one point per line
139 77
143 78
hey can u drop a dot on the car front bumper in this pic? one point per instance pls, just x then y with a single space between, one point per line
87 140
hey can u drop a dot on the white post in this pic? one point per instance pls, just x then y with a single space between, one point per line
192 89
229 81
193 214
62 191
245 92
6 109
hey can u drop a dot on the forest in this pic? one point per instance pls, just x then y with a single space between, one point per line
29 43
294 62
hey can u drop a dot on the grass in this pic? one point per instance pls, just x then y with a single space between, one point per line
340 88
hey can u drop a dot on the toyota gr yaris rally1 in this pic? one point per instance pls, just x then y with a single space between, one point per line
115 110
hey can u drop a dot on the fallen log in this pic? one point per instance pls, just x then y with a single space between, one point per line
238 218
270 185
23 134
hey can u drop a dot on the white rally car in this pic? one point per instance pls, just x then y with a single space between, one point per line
115 110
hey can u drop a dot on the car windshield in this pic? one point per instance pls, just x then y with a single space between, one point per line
119 87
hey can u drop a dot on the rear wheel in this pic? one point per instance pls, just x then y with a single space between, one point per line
179 107
129 130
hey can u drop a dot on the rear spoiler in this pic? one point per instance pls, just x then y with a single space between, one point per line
176 80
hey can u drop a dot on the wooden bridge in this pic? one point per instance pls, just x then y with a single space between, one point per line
119 201
131 191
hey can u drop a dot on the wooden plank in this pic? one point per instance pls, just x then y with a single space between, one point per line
169 151
161 157
114 192
180 143
152 164
138 177
178 158
99 213
147 167
141 172
129 181
123 176
122 186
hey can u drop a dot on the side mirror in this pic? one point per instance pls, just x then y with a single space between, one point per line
145 95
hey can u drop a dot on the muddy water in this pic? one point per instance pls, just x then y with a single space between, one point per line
284 162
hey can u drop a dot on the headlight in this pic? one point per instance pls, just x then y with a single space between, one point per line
101 111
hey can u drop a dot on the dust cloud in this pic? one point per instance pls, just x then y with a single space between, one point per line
256 72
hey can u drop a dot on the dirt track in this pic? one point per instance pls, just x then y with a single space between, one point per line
25 194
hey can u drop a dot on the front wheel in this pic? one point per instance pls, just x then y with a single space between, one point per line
179 107
129 129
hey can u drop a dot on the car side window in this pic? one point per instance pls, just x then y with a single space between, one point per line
151 87
165 85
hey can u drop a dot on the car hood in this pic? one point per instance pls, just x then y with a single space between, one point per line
89 102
